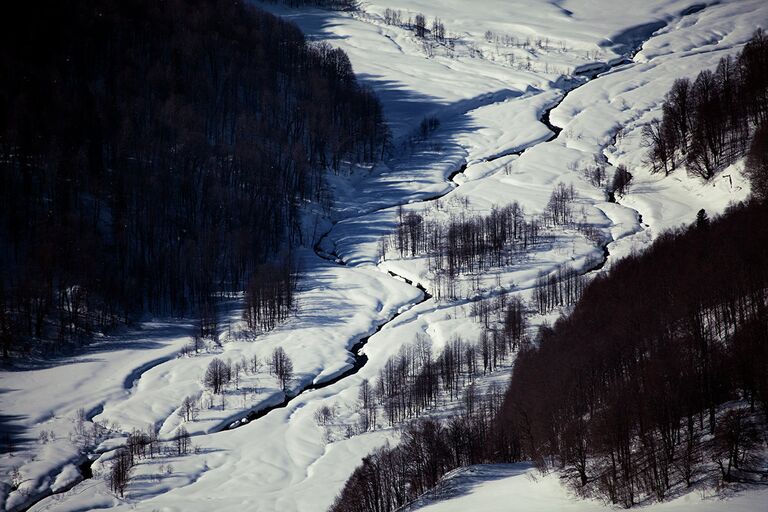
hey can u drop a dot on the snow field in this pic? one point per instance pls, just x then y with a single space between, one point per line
488 108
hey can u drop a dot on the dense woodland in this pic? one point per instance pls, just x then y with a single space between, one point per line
707 124
658 378
155 154
626 393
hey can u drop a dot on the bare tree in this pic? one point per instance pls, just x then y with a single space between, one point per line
559 208
736 439
324 415
188 410
255 364
679 108
183 441
621 180
420 26
657 136
438 30
217 375
120 472
282 367
367 406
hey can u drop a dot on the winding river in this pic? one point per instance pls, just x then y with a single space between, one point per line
361 359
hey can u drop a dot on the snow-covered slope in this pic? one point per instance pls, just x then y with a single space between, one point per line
513 487
489 105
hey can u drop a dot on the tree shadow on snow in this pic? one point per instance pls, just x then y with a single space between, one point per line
13 433
140 337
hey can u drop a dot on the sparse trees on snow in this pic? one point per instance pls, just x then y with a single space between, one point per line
324 415
559 209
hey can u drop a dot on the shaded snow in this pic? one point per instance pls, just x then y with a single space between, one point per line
513 487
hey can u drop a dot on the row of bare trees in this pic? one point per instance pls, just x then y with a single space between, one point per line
418 24
465 243
707 123
473 244
560 288
219 374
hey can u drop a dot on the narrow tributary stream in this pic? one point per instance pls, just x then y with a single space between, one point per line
360 358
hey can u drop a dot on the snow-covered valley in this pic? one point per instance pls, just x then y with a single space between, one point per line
597 73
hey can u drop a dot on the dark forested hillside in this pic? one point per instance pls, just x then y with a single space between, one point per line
155 152
626 393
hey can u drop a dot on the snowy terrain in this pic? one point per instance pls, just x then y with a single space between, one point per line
489 105
505 487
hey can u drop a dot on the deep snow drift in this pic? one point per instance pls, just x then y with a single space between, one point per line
488 96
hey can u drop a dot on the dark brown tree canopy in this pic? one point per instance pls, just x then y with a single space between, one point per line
622 392
154 152
757 163
707 123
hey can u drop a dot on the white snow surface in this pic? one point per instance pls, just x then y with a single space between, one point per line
488 104
519 487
